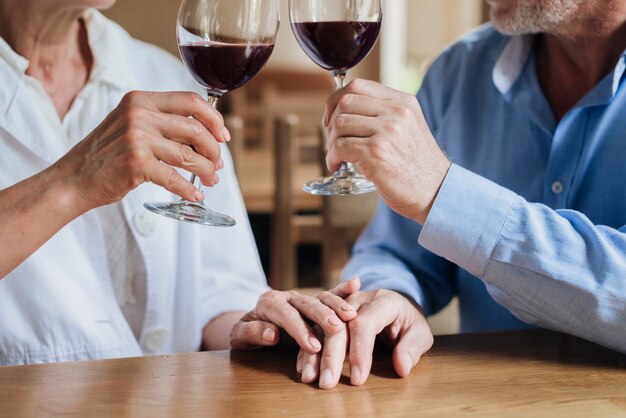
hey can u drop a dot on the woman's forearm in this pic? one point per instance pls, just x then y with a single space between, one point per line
216 334
31 212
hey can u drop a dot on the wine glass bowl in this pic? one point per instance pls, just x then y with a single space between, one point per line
223 44
337 35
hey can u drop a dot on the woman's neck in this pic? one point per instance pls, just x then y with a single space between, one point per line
55 44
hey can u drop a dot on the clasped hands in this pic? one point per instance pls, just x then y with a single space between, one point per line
345 321
386 134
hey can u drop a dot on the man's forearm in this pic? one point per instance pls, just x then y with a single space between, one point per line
552 268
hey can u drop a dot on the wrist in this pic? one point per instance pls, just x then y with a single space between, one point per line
430 188
61 183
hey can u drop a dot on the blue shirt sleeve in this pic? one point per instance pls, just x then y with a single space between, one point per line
387 256
552 268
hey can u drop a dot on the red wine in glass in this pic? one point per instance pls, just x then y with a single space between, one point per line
336 46
221 67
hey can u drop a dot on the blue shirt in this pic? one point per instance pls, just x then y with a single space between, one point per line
528 227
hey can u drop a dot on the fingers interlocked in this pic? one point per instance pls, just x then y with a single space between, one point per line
292 312
378 312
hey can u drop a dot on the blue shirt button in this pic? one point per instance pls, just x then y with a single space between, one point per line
557 187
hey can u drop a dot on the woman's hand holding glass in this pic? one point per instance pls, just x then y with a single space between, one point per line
141 141
223 44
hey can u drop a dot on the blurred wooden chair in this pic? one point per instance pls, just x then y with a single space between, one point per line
344 217
277 92
289 228
335 227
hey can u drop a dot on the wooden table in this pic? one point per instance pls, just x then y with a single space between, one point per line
525 374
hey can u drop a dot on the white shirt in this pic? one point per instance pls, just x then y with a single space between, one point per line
60 304
126 265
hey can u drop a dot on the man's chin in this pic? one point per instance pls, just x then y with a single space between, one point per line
522 17
508 29
508 23
501 15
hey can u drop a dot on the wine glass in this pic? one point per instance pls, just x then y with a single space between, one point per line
224 44
337 35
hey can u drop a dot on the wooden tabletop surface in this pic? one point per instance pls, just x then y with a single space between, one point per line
525 374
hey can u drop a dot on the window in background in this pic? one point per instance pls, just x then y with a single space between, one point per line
416 31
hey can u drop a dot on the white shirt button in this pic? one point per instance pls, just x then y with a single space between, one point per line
557 187
157 339
144 223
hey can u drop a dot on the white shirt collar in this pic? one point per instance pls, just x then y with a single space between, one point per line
619 73
15 60
511 62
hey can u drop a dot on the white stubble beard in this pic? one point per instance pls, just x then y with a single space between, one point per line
533 16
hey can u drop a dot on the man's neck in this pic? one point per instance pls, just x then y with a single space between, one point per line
571 61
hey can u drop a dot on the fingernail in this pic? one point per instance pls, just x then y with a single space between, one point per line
355 375
199 196
220 164
326 379
315 342
347 307
227 136
308 373
269 335
334 321
216 179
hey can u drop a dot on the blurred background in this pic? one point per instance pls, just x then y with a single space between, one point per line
304 240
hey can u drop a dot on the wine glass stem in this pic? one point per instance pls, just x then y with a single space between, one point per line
340 82
212 99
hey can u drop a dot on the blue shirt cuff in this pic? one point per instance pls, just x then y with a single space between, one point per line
466 219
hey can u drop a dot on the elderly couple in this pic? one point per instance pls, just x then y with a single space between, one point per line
503 184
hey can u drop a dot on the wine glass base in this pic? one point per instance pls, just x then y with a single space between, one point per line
340 183
196 213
